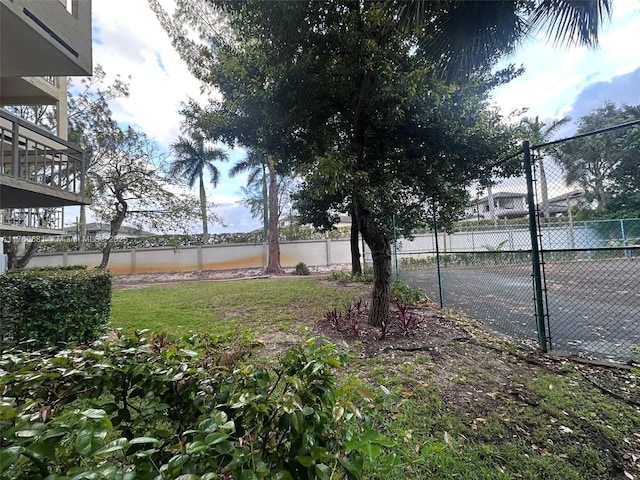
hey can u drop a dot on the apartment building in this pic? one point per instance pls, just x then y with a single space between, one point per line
42 42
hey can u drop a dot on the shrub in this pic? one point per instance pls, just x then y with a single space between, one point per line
46 307
406 293
302 269
143 406
345 277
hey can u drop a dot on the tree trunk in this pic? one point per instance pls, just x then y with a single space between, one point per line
544 190
15 262
492 205
203 212
82 241
380 247
115 223
106 252
356 266
265 202
273 265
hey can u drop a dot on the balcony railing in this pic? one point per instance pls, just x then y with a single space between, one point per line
49 218
32 154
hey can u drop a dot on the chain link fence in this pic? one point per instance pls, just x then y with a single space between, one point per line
530 261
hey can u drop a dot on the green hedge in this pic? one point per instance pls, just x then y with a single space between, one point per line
44 307
179 241
146 407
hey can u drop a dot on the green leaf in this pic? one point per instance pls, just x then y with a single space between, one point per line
297 421
371 450
7 412
352 464
90 437
323 472
305 460
230 426
95 413
196 447
113 446
215 437
8 456
27 433
138 440
42 449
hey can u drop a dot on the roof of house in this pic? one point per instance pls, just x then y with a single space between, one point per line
105 227
499 195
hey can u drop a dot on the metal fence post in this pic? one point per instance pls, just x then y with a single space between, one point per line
535 250
395 248
435 234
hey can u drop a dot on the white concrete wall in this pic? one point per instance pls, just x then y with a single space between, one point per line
210 257
312 252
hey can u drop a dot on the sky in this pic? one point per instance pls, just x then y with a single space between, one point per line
128 41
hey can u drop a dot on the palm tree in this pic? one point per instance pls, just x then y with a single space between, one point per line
255 166
468 33
192 159
262 172
538 133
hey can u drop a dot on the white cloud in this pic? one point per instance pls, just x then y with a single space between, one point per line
132 43
555 76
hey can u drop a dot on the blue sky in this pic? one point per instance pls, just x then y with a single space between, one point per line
129 41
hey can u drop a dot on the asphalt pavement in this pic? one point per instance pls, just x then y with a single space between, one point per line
593 305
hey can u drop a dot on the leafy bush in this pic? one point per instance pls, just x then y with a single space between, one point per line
48 269
302 269
52 306
406 293
345 277
144 407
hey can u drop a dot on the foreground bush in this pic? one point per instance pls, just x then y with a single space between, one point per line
143 407
51 306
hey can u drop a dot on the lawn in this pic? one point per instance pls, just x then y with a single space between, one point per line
477 409
257 306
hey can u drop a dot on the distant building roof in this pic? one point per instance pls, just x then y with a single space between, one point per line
95 227
499 195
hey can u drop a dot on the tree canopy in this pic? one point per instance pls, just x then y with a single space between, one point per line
606 165
354 93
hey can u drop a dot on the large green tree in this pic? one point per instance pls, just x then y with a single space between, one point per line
88 117
344 94
625 191
192 160
603 164
363 81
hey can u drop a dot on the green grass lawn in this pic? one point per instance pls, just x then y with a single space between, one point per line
286 304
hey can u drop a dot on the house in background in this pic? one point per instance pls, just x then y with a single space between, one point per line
102 231
41 43
505 205
514 205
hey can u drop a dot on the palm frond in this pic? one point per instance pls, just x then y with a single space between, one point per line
571 22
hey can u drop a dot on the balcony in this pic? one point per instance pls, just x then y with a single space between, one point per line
38 171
